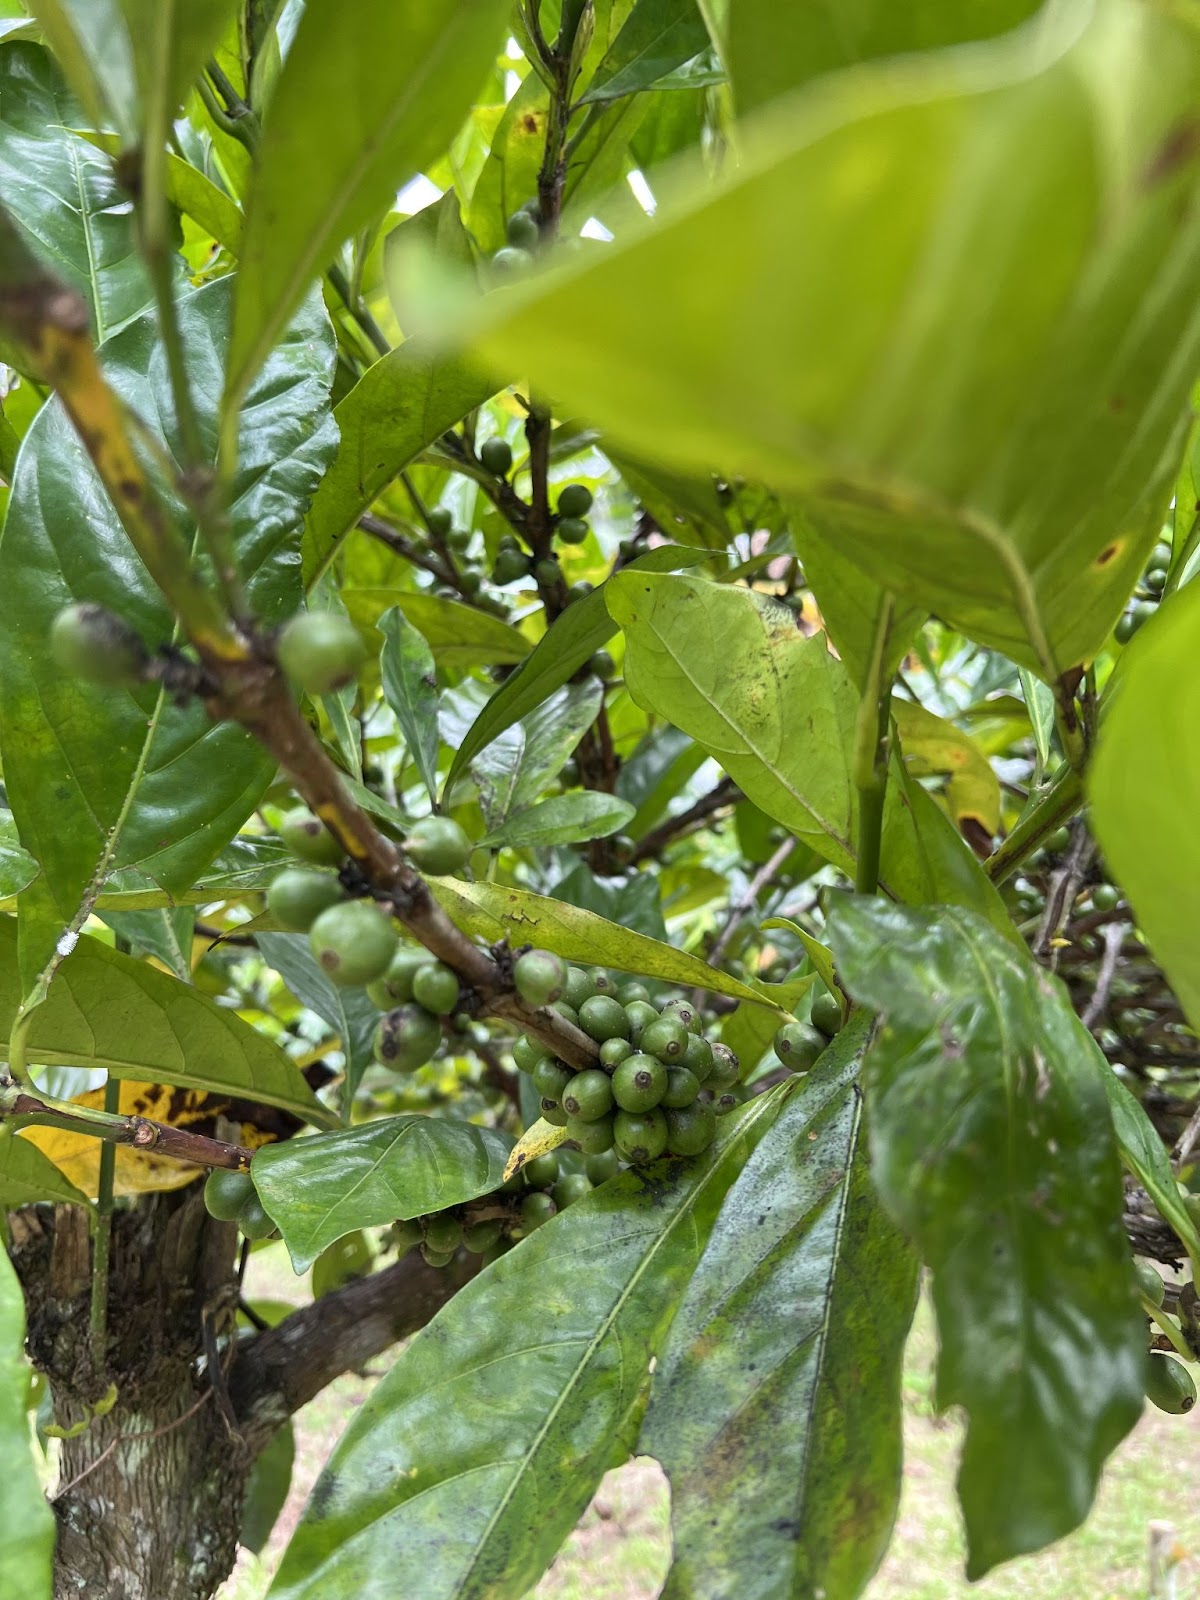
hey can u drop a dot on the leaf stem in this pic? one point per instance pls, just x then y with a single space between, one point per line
1058 805
102 1244
872 746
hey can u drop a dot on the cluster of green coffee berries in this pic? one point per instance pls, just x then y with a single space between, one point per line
798 1044
1169 1384
1147 595
658 1084
231 1197
523 234
570 527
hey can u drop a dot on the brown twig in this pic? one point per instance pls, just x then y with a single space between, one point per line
139 1133
1114 938
651 844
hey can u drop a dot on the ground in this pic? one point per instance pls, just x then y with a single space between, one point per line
620 1550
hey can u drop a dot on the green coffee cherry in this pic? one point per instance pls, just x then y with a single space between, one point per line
469 581
297 898
1169 1384
307 836
690 1129
682 1088
665 1038
522 231
604 1018
550 1078
602 666
443 1231
574 500
725 1068
553 1113
1058 841
1149 1282
579 987
642 1015
562 1009
686 1013
639 1083
436 1258
593 1138
440 522
1106 897
225 1193
435 986
406 1038
588 1096
698 1057
540 977
405 1233
396 985
437 845
1155 579
320 651
497 456
547 572
728 1100
536 1209
510 566
479 1237
798 1045
571 1188
458 539
511 262
353 943
542 1171
88 641
571 530
640 1137
602 1166
614 1051
527 1053
629 992
253 1219
579 591
826 1014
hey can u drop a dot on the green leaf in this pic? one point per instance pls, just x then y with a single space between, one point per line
775 1405
410 688
1145 789
267 1489
778 712
563 819
171 40
165 934
191 191
107 1010
931 744
658 36
515 768
62 193
820 956
575 635
1031 191
1039 702
475 1456
848 600
129 777
458 635
400 405
509 175
992 1147
318 180
91 44
319 1189
27 1176
349 1012
17 866
490 911
1141 1147
26 1521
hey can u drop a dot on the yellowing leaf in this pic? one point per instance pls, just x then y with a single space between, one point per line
535 1141
931 744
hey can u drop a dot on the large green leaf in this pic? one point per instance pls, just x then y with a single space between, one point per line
108 1010
399 98
1143 1152
658 36
490 911
351 1014
400 405
410 689
512 772
1145 789
563 819
170 40
26 1521
992 1147
27 1176
575 635
475 1456
849 600
127 775
779 713
775 1407
92 46
458 635
62 192
984 408
320 1189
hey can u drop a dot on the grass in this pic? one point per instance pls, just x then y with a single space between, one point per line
621 1548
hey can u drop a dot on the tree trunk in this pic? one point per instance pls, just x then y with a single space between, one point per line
150 1497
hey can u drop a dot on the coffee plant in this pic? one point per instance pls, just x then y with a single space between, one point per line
598 718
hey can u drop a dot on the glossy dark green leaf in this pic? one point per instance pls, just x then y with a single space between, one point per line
490 911
992 1146
775 1406
656 771
402 404
26 1521
573 636
190 191
62 192
1145 789
318 180
17 866
563 819
245 867
349 1012
1143 1152
475 1456
658 36
109 1010
267 1489
633 901
322 1188
458 635
1012 481
27 1176
410 688
128 777
165 934
92 46
170 40
778 711
515 769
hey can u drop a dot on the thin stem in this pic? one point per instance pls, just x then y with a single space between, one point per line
1058 805
353 304
243 124
103 1234
43 1111
872 750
